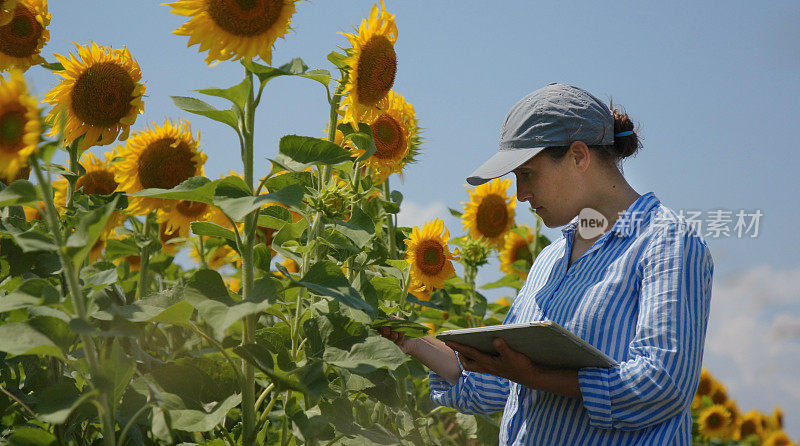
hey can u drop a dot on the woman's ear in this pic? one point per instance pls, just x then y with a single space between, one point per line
579 155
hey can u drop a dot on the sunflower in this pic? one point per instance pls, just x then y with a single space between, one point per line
290 265
178 215
23 32
419 290
97 249
169 244
238 29
719 394
162 157
715 421
98 180
373 65
234 283
733 409
22 173
515 248
33 212
429 255
490 212
777 418
394 130
20 126
750 424
7 8
705 386
778 438
220 256
504 302
99 97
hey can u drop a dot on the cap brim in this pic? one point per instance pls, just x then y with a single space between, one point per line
501 163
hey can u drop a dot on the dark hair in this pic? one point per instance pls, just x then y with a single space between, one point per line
623 147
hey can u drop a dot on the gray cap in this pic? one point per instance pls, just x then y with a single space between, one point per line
556 115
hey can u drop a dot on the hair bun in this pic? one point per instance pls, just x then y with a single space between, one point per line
624 146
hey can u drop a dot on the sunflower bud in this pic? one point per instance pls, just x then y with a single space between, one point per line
475 252
334 200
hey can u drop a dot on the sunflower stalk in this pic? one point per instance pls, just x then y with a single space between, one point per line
390 223
144 256
77 299
248 270
72 180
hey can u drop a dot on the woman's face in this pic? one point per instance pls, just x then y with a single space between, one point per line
550 187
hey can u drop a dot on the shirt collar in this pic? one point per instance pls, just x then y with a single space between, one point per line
632 216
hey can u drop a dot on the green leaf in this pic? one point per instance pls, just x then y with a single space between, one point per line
19 338
237 206
201 108
455 213
257 355
338 59
167 307
278 182
388 288
31 436
193 189
509 280
374 353
30 293
326 278
308 150
206 291
116 371
359 228
191 420
18 192
237 94
90 226
410 329
212 230
362 139
57 402
33 240
296 67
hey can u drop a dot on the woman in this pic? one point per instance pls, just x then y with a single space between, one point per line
638 288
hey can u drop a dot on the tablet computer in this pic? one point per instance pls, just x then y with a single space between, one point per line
545 342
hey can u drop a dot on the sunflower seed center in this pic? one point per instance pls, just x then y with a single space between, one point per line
165 164
492 216
191 209
12 126
377 66
245 17
98 182
388 136
102 94
431 255
20 37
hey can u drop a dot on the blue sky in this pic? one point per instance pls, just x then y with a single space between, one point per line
714 90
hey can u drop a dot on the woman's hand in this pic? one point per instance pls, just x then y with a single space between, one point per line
399 338
517 367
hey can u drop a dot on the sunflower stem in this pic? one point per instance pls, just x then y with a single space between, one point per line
203 253
77 299
72 180
390 224
248 271
144 259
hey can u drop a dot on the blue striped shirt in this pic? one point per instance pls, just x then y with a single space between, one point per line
640 294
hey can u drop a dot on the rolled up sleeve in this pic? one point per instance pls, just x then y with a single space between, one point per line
474 393
660 378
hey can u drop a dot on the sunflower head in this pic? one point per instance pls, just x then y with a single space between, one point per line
234 29
23 32
162 157
290 265
719 394
714 421
99 97
373 65
177 216
733 409
706 384
750 424
395 133
490 211
169 244
20 126
778 438
517 248
429 255
777 418
420 291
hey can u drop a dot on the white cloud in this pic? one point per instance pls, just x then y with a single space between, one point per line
414 214
753 340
